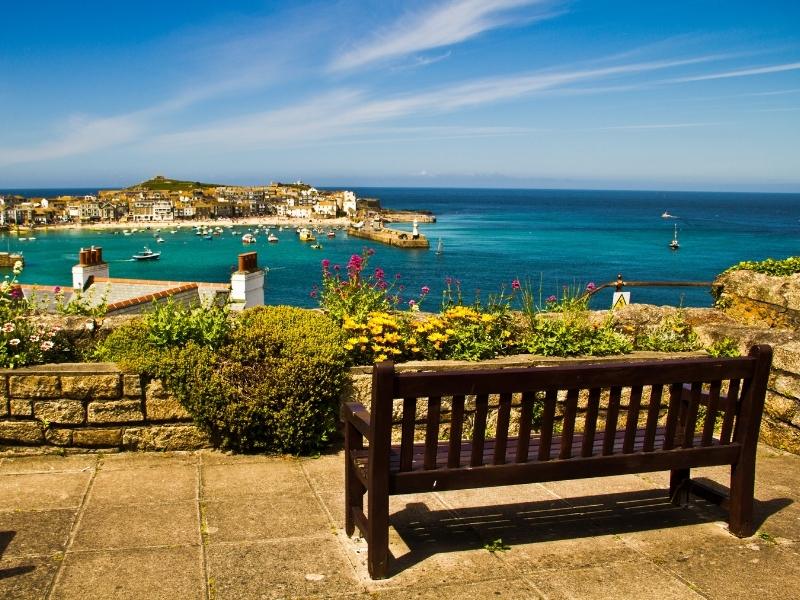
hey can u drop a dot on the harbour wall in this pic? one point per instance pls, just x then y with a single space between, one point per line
391 237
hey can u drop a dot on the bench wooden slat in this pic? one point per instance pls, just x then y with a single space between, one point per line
407 432
673 412
525 425
564 377
632 419
568 424
653 413
501 435
432 431
548 414
611 419
590 421
692 409
479 429
712 410
456 430
731 400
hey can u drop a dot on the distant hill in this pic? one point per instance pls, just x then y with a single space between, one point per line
160 182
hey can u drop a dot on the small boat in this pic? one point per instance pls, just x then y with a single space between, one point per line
306 235
358 225
666 215
248 238
126 232
674 245
439 247
147 254
159 240
316 246
272 238
331 234
207 236
173 231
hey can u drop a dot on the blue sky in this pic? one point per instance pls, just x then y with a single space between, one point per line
701 94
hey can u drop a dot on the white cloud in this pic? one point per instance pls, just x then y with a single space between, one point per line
740 73
449 23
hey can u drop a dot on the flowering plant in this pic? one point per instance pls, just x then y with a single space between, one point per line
357 292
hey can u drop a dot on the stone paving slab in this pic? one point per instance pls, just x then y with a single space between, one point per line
217 526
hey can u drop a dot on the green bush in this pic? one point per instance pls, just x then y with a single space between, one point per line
272 386
724 348
781 268
674 334
571 334
173 324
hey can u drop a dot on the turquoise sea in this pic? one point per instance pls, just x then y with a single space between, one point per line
550 238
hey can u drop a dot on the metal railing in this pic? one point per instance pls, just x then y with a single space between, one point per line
620 283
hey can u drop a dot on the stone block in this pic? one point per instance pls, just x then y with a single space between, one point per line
132 385
787 358
21 432
115 411
165 409
59 411
780 407
786 384
91 386
165 437
58 436
97 438
34 386
21 408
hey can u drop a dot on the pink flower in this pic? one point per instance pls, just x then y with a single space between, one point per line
313 293
9 327
325 264
448 281
411 302
551 299
13 342
57 290
47 346
591 286
515 285
337 268
397 275
379 273
425 290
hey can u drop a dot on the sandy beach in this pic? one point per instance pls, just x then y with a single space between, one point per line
271 221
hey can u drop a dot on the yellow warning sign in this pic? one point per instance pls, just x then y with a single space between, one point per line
620 300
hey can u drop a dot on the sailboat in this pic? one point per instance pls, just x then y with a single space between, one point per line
439 247
674 245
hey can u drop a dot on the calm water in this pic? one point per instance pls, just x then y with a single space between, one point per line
490 237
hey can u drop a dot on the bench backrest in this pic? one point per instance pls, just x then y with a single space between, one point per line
488 416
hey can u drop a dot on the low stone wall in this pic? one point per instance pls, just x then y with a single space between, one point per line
761 300
91 406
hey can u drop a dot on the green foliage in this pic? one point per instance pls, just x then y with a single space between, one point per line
272 386
173 324
780 268
79 304
724 348
172 185
496 546
674 334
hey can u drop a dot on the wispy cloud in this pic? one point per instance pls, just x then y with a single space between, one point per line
445 24
651 126
740 73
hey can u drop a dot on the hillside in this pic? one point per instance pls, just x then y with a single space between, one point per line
160 182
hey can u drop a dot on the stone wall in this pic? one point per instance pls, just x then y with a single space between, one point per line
91 406
760 300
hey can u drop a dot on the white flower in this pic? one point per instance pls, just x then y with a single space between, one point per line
13 342
17 267
8 327
34 338
47 346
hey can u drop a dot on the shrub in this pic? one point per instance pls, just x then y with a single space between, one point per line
173 324
725 347
674 334
571 334
462 333
272 386
781 268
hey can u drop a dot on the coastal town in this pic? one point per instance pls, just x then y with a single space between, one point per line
161 200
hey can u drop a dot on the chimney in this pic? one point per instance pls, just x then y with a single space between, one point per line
247 282
90 265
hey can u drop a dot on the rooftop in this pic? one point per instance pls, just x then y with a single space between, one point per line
210 525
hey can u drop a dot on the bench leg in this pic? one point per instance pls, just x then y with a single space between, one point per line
353 498
378 535
740 521
679 480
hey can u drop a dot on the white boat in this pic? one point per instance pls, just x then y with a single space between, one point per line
248 238
439 247
331 234
358 225
147 254
316 246
666 215
674 245
126 232
159 240
272 238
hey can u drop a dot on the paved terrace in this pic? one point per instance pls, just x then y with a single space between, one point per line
212 526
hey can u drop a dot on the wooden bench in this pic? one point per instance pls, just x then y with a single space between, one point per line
648 422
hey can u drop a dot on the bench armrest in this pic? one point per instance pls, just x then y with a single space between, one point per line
355 414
